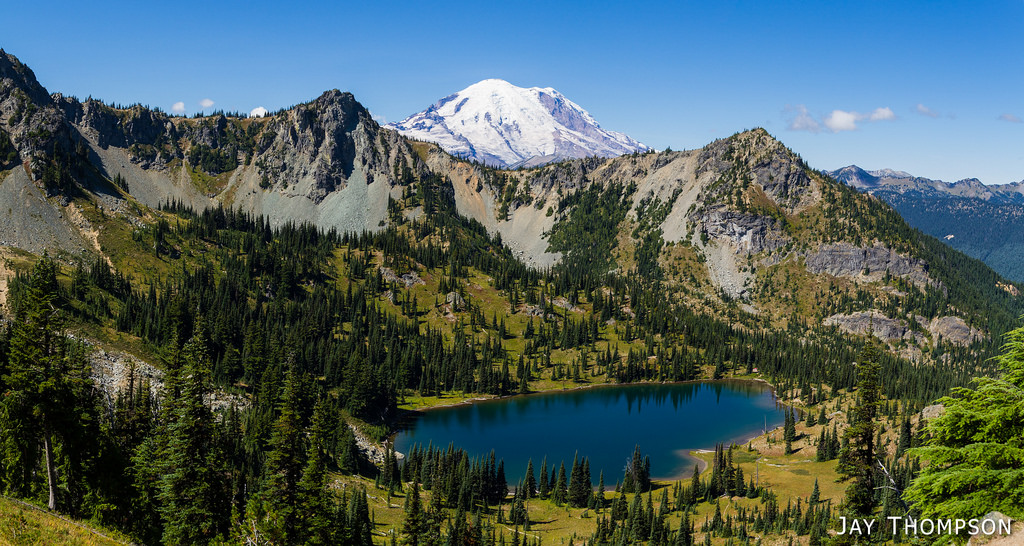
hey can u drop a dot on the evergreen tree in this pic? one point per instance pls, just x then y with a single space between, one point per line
860 459
314 498
975 449
192 490
414 524
530 484
545 488
638 473
905 441
47 386
278 507
560 492
789 430
579 489
620 508
348 452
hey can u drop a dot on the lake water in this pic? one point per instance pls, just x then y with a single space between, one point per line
604 424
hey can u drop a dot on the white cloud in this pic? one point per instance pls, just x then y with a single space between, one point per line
1010 117
881 114
925 111
258 112
379 118
206 103
839 120
178 107
802 120
836 121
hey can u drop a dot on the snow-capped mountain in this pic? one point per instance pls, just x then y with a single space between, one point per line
500 124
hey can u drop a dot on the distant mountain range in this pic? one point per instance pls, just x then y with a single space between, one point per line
892 181
499 124
986 222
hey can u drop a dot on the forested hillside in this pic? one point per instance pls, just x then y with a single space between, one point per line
311 332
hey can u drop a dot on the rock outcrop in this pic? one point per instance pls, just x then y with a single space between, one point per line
751 234
947 329
953 330
875 323
866 263
409 279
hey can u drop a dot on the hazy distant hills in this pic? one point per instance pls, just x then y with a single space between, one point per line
500 124
986 222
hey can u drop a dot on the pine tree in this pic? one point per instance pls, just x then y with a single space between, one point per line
905 440
638 473
278 500
530 485
789 430
620 508
578 490
696 489
191 492
348 452
46 386
545 488
314 498
517 513
414 524
359 532
560 492
685 535
860 459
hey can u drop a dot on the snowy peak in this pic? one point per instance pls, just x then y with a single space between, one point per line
500 124
890 173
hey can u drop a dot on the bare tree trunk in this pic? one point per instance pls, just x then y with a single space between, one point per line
51 469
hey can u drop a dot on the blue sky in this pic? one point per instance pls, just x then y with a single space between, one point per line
933 88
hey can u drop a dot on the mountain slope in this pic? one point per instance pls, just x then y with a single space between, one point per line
497 123
741 224
985 222
741 221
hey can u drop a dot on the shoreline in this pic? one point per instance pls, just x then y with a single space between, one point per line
702 465
407 415
476 399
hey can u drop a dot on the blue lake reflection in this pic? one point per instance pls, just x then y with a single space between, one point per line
603 423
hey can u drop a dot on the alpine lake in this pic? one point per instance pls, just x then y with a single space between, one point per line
602 423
